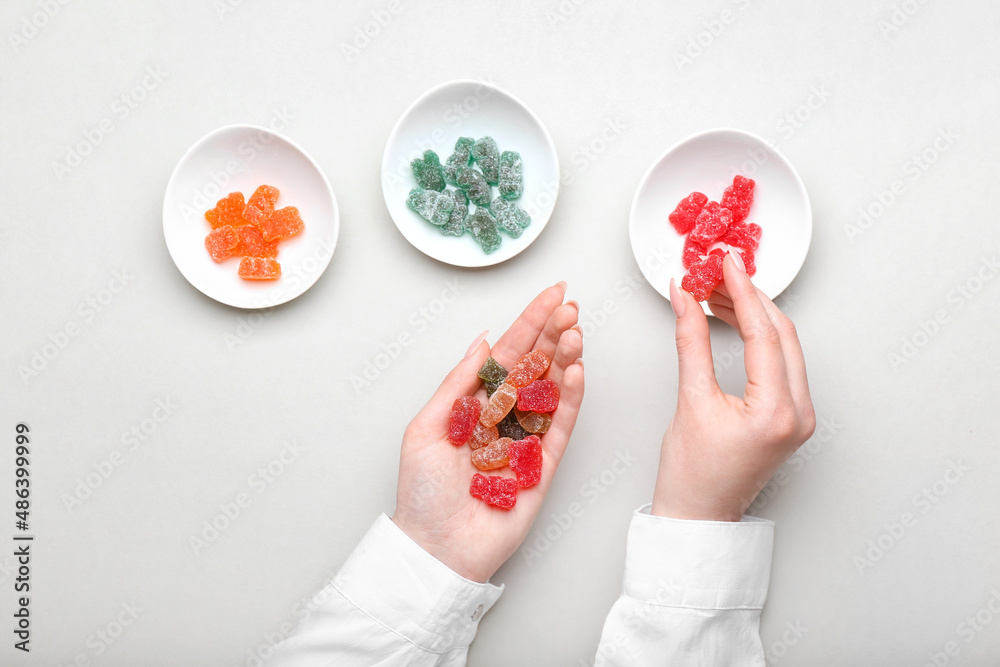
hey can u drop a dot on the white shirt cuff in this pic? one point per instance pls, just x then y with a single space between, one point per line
393 580
698 564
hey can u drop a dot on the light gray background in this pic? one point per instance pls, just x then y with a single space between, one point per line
888 429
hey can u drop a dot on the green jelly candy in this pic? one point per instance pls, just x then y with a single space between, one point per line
486 154
475 186
428 172
483 228
460 158
491 387
456 221
511 181
435 207
510 217
492 371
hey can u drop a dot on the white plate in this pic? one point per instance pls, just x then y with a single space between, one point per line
434 122
243 157
706 162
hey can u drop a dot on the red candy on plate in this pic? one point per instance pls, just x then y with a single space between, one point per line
686 213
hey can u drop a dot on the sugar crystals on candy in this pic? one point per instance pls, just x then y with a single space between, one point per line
528 368
483 227
501 402
526 460
510 217
428 171
684 216
511 179
495 490
259 268
222 242
462 421
539 396
493 455
487 156
433 206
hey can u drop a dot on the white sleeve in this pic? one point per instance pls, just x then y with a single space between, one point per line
391 603
692 593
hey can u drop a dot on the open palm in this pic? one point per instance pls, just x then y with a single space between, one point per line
433 504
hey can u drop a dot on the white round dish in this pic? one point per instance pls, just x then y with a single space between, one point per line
243 157
706 162
434 122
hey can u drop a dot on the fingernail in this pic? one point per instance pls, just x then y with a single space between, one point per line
577 328
676 301
579 362
737 260
574 303
561 285
475 344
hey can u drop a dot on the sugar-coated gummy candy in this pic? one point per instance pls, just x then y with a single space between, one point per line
749 263
491 387
433 206
533 422
456 219
259 268
702 278
712 222
428 171
483 227
476 188
252 243
525 459
495 490
509 427
738 197
692 254
492 371
511 179
222 242
528 368
501 402
228 211
483 435
486 155
282 224
460 158
493 455
260 206
510 217
746 236
684 216
539 396
462 421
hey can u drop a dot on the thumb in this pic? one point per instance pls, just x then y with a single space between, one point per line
695 368
463 379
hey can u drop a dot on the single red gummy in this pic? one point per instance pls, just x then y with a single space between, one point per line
463 420
702 278
686 213
495 490
539 396
746 236
526 460
692 253
738 197
713 221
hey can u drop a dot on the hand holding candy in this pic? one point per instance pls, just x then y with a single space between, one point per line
720 450
434 506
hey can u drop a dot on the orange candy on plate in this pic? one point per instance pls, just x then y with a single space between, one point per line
251 230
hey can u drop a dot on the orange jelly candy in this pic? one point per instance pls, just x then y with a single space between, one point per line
222 242
261 204
228 211
259 268
528 368
281 224
252 243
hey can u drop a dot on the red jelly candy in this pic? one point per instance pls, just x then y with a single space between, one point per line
526 460
261 204
463 420
738 197
281 224
222 242
259 268
684 216
539 396
528 368
252 243
228 211
742 235
704 277
495 490
692 253
748 262
713 221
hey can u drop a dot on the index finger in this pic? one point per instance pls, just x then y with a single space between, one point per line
763 357
520 338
